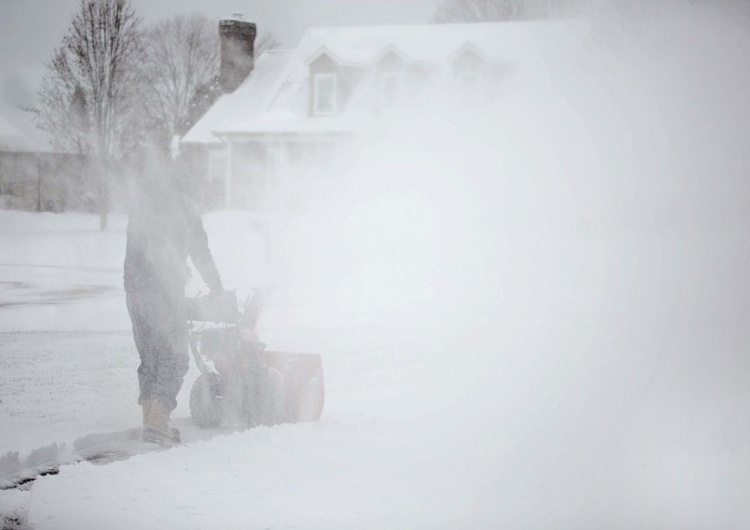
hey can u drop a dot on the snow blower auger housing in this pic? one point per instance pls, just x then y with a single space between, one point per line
249 385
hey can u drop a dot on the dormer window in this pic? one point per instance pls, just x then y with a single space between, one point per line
325 95
470 70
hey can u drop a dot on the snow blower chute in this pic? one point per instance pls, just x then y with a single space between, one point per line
249 384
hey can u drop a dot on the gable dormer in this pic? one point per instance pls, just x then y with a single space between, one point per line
331 82
324 85
398 78
467 64
472 73
390 79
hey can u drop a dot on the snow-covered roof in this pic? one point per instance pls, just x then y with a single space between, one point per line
250 99
274 98
293 123
18 133
435 43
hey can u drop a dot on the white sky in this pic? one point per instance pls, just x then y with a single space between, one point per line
30 29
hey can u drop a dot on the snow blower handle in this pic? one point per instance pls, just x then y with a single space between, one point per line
219 306
253 307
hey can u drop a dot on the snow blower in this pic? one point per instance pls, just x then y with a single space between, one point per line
249 384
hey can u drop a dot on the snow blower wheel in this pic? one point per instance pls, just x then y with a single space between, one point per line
206 401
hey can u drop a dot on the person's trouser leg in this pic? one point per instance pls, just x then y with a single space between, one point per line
161 338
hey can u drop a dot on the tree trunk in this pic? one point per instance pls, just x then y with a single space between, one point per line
103 195
38 185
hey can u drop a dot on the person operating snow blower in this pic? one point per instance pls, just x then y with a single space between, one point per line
164 229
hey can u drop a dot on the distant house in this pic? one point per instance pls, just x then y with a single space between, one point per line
269 145
33 175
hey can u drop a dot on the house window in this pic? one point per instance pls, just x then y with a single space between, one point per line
391 89
325 95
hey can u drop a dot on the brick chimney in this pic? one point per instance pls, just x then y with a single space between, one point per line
237 51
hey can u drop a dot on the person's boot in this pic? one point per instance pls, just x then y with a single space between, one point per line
156 427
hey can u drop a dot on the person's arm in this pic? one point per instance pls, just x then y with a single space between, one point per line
199 252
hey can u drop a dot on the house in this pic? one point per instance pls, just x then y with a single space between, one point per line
274 142
33 175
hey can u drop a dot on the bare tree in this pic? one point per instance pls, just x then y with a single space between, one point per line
181 69
477 10
89 90
182 54
265 41
499 10
207 93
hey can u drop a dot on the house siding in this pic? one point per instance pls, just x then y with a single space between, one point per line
46 182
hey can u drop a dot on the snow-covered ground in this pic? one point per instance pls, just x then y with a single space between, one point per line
535 316
607 389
